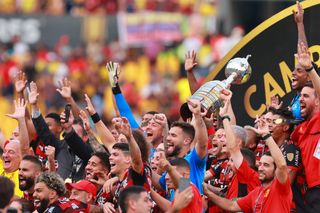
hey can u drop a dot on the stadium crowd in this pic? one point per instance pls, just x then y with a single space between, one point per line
72 160
85 7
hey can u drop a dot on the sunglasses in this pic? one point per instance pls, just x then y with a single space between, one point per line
279 121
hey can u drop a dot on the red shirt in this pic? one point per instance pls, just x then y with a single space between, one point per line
276 197
307 137
244 175
196 204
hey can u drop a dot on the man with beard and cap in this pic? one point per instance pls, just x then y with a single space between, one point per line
30 167
49 193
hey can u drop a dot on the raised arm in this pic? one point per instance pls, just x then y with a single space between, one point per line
66 93
304 59
189 64
93 141
50 152
298 18
165 165
281 170
122 105
19 115
103 132
232 145
73 140
123 127
39 123
201 134
20 83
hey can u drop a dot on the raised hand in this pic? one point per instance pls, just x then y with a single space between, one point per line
161 119
65 88
262 126
304 56
85 120
194 106
182 199
114 71
67 126
20 81
122 126
50 152
190 61
275 102
89 106
20 109
225 96
33 93
298 15
164 164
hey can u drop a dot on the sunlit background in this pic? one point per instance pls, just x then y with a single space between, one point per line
49 39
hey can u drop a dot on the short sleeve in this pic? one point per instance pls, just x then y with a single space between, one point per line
282 188
245 203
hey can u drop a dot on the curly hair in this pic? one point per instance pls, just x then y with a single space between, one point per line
53 181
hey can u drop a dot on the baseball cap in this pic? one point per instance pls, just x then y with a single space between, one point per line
83 185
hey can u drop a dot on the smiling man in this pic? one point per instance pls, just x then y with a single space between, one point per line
306 135
10 164
49 194
30 167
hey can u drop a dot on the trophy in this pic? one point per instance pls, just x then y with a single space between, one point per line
237 71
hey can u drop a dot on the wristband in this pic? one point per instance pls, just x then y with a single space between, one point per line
225 117
309 69
95 118
116 89
266 136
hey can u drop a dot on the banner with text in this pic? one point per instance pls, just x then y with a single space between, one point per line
272 45
137 29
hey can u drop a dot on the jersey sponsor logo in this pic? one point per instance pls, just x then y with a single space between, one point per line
290 156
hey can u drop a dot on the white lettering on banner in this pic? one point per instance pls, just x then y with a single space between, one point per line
27 29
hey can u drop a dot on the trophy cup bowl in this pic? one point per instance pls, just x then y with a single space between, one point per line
241 67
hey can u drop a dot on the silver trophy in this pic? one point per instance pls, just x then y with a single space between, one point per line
237 71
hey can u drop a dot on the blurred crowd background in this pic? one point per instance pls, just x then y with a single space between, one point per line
152 73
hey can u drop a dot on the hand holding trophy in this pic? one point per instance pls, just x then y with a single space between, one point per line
237 71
